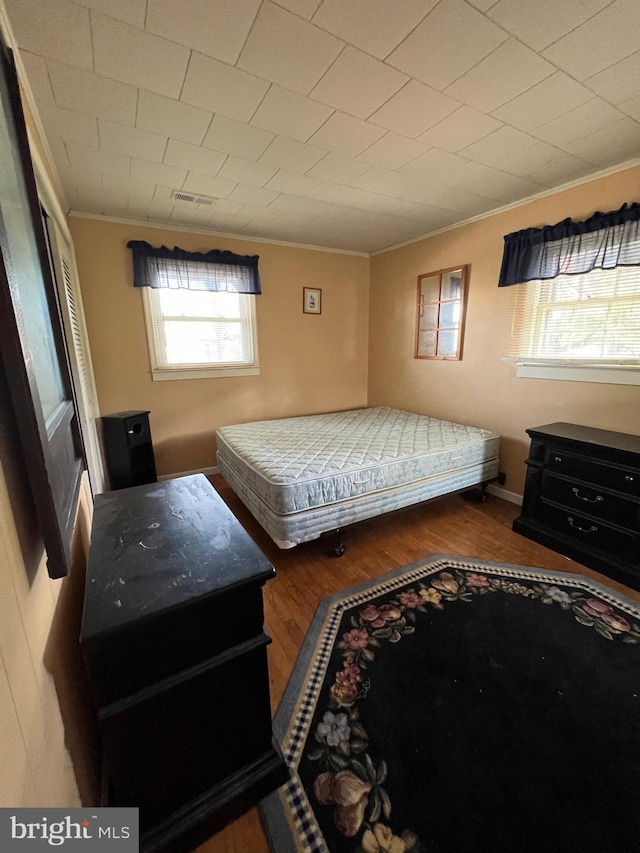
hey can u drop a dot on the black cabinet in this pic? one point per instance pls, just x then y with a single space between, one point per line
129 449
582 497
176 652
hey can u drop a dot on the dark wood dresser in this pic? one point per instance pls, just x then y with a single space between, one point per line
582 497
173 640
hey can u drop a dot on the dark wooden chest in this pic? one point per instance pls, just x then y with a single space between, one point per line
582 497
174 645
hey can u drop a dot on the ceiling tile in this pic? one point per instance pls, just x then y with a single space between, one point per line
370 24
92 94
38 77
289 154
132 189
295 204
341 170
81 177
618 83
483 5
292 183
193 158
227 207
207 185
236 137
532 162
134 56
215 86
508 72
130 11
259 211
358 84
335 193
304 8
493 149
253 195
157 173
287 50
246 171
486 181
69 125
97 160
610 145
541 23
53 28
169 117
546 101
290 114
393 151
216 29
608 37
414 109
460 129
549 169
345 135
451 40
436 165
132 141
585 119
157 211
631 108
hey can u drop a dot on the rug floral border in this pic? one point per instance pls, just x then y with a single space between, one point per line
347 778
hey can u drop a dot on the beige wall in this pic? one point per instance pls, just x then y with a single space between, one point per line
309 363
481 389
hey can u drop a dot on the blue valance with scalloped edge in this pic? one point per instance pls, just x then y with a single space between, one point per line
177 268
604 240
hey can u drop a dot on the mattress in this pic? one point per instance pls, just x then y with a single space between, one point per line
301 466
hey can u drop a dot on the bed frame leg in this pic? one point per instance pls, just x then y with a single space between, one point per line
483 496
339 549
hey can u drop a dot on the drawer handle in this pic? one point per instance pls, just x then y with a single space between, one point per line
597 500
628 479
557 459
591 529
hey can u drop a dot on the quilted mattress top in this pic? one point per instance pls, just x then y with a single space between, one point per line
299 463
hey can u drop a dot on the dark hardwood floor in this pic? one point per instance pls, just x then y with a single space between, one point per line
457 525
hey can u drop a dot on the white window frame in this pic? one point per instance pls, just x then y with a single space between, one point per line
605 371
160 372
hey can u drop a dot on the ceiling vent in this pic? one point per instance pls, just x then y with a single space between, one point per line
179 195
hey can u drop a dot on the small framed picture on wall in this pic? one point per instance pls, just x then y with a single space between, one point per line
312 300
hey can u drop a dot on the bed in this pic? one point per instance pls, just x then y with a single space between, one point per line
304 476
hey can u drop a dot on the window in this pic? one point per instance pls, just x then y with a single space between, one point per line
583 327
200 310
440 315
198 333
576 310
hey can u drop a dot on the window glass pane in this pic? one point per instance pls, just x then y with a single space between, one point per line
199 303
449 315
430 288
204 342
429 316
451 282
427 343
447 343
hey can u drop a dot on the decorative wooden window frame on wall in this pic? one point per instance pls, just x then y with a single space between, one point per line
32 346
441 316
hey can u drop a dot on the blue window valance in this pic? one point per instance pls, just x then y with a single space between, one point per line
177 268
603 241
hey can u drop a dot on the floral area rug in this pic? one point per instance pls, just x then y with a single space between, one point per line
458 705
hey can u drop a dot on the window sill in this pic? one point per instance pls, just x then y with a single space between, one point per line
605 374
203 373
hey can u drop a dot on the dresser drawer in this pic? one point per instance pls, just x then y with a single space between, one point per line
591 534
597 502
622 479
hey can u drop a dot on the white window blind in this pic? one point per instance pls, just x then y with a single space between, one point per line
587 319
